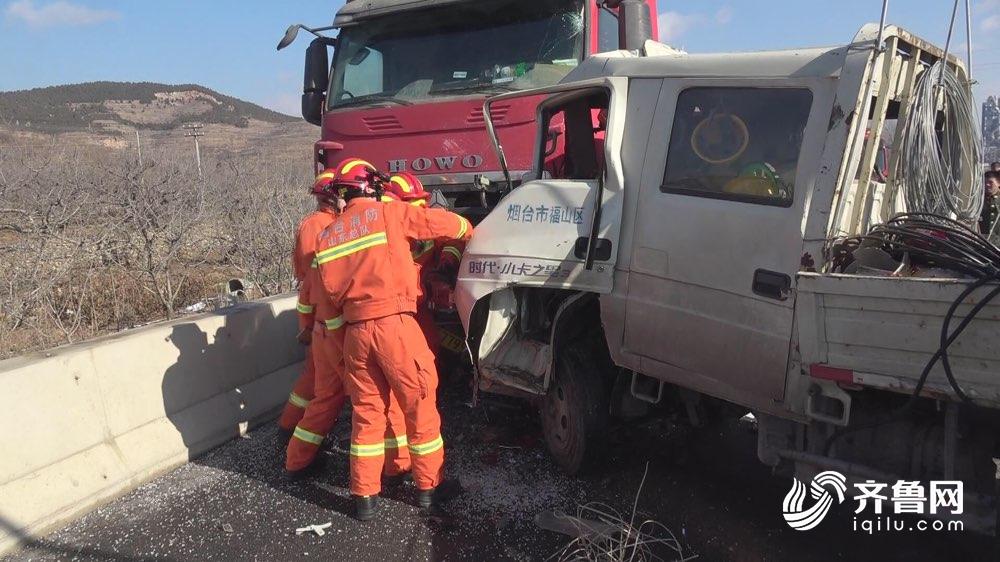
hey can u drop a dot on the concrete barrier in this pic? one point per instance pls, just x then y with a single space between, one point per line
85 423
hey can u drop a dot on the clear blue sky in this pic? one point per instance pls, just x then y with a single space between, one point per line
228 45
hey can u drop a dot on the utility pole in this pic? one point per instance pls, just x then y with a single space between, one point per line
195 133
138 147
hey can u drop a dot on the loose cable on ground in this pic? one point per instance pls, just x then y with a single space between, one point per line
604 535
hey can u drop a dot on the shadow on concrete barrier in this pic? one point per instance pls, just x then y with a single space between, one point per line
86 423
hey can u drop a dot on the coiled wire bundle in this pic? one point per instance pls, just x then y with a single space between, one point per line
938 168
935 241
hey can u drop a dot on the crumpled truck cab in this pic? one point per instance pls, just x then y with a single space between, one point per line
675 259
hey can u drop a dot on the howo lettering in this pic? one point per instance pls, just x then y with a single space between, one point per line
443 163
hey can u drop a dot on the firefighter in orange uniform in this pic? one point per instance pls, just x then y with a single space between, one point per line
407 188
366 267
302 257
437 266
327 338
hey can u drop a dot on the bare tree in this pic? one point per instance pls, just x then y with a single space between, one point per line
92 242
261 218
161 210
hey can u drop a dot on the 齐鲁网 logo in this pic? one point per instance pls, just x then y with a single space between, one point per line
804 519
942 502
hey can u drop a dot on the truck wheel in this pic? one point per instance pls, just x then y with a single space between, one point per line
574 411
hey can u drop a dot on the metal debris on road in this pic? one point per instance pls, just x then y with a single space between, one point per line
320 530
575 527
602 534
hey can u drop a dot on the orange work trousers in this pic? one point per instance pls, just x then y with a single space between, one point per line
323 410
388 358
302 393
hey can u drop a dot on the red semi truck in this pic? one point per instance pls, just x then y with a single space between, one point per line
406 87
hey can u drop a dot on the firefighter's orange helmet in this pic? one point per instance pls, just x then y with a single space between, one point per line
405 186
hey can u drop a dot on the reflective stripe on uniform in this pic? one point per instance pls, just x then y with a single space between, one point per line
427 448
307 436
304 308
334 323
463 228
451 342
425 247
297 401
453 251
376 450
353 247
395 442
418 203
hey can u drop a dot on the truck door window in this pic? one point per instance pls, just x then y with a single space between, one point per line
363 74
574 148
741 144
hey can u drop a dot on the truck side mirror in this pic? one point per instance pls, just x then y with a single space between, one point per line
635 24
316 80
312 107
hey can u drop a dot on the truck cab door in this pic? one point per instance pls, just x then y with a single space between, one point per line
560 230
719 232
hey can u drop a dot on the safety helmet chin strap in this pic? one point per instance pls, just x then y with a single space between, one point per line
352 194
377 181
375 187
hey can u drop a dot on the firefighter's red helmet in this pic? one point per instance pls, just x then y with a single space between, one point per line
354 169
322 184
404 186
351 175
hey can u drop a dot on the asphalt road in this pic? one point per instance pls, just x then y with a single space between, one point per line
704 486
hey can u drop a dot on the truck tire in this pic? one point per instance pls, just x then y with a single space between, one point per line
574 411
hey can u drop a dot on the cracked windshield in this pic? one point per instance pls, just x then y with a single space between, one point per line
397 59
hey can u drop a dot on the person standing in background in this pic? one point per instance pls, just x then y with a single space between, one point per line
991 206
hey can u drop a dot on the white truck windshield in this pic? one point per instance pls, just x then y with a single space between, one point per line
475 47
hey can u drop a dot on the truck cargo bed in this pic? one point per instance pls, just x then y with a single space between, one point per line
880 332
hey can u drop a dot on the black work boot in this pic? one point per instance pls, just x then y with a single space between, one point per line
446 491
365 507
425 498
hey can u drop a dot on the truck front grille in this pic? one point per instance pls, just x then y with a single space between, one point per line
382 123
498 112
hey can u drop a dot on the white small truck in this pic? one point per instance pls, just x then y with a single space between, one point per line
694 272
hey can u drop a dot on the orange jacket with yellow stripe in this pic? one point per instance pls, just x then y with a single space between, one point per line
302 259
365 259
